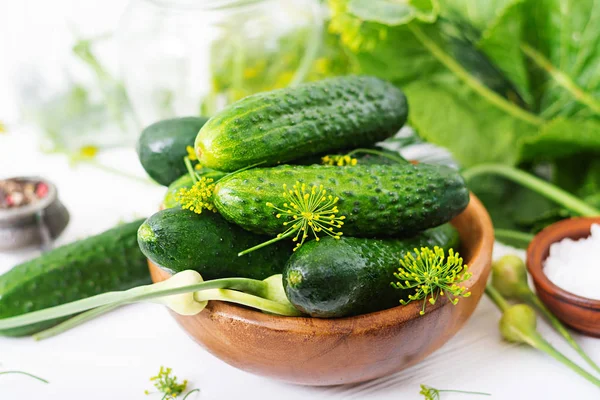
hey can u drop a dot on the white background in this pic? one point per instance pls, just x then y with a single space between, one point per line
113 357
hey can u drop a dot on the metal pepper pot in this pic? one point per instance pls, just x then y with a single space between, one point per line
37 223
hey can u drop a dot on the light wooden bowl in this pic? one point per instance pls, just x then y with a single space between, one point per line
312 351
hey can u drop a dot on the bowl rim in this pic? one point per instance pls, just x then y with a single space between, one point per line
30 209
540 246
364 322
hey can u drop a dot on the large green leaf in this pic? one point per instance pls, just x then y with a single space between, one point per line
566 34
496 27
563 137
452 116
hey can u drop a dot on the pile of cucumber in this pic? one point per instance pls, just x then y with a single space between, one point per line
368 210
254 147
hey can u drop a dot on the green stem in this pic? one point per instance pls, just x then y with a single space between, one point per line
116 171
538 342
24 373
310 55
190 169
264 244
536 184
190 392
75 321
464 392
485 92
128 296
509 236
399 159
497 298
249 300
532 299
561 78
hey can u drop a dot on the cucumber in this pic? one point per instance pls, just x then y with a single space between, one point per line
106 262
313 118
162 147
178 239
376 200
352 276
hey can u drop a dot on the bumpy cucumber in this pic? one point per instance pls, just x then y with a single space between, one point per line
377 200
351 276
313 118
162 146
106 262
178 239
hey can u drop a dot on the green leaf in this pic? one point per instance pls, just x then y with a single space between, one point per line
393 12
496 27
566 34
562 137
446 114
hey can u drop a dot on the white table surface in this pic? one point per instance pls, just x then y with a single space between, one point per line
113 356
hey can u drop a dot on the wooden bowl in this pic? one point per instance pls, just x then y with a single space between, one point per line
313 351
578 312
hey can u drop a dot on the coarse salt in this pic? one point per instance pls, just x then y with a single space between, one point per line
574 265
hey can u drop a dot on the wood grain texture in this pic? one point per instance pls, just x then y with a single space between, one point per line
578 312
312 351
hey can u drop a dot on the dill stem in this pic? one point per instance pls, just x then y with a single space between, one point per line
268 242
464 392
536 184
399 159
24 373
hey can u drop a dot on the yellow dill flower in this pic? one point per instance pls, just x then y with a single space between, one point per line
191 153
431 275
338 160
88 151
166 383
198 167
198 197
308 210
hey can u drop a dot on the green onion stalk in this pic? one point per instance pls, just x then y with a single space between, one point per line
518 325
185 293
509 278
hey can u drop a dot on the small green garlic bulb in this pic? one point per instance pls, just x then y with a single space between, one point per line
509 276
518 323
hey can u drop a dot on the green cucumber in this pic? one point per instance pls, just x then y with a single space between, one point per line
186 182
162 147
376 200
178 239
352 276
106 262
292 123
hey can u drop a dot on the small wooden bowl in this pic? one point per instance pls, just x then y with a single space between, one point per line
313 351
578 312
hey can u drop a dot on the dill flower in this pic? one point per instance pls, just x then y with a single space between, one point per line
198 197
308 210
431 274
339 160
166 383
191 153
